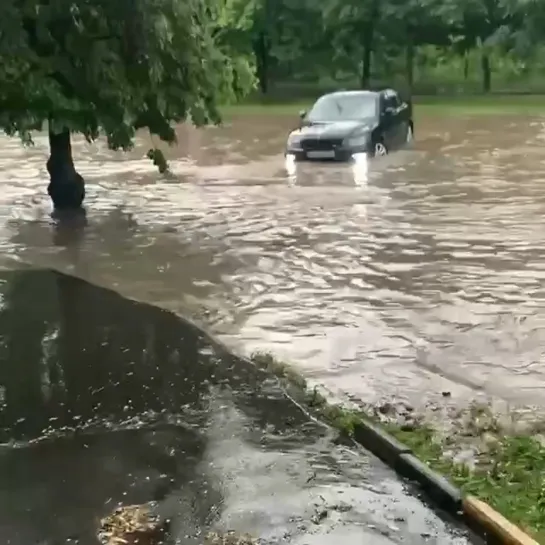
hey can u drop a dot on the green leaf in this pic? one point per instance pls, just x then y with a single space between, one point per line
112 67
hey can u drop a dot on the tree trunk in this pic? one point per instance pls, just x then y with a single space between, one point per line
409 62
261 52
367 43
66 187
487 72
466 66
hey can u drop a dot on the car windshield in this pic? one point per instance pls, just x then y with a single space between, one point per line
343 108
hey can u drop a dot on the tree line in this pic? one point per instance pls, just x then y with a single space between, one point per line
113 67
365 40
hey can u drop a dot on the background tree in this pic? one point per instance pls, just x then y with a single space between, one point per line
112 67
353 25
408 24
483 24
426 45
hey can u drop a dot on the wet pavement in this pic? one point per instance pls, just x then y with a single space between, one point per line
104 400
421 275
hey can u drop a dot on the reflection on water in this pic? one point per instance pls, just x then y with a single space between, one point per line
426 277
291 169
105 400
359 167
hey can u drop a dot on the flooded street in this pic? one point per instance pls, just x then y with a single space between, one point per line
104 400
423 275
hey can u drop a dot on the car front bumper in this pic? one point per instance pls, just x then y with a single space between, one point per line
343 154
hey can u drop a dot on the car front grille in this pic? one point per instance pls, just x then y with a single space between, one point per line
322 144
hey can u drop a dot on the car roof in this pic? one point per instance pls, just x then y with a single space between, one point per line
363 92
352 93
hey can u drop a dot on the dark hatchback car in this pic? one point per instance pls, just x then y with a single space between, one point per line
342 124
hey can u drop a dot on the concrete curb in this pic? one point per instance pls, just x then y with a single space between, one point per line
402 460
439 489
477 514
380 443
496 525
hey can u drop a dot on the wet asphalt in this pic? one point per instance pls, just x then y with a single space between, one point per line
104 400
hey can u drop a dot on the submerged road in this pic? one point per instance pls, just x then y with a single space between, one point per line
104 400
421 275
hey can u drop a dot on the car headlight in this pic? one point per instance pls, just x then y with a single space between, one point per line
357 141
294 139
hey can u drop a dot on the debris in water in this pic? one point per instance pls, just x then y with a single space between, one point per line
319 516
229 538
132 525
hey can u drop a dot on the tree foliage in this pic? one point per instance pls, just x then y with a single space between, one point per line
346 35
115 66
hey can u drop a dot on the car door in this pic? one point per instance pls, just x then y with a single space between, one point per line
389 122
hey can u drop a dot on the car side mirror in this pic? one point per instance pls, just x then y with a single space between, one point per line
302 114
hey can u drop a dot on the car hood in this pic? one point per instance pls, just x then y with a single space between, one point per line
337 129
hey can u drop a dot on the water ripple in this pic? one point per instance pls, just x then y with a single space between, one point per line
425 276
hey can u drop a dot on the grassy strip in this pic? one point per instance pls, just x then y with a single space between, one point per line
434 105
508 474
481 105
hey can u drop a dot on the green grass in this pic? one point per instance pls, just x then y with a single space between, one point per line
481 105
511 480
509 475
423 105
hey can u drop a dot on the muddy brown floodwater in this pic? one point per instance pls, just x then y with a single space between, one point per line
422 275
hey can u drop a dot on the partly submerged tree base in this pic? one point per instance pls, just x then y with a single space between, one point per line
66 187
67 191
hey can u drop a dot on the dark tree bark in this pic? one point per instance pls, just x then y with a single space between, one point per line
367 44
66 187
487 73
261 52
409 63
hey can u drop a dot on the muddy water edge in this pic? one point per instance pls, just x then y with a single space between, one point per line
420 281
108 401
